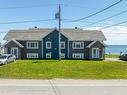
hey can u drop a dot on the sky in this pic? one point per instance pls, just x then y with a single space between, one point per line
27 10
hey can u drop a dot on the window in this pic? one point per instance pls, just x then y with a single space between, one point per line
62 55
48 55
78 55
62 45
32 55
32 45
78 45
48 45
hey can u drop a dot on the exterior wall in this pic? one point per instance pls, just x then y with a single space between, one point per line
63 38
101 50
54 38
24 50
85 50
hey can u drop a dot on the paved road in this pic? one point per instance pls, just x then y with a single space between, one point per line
114 59
63 87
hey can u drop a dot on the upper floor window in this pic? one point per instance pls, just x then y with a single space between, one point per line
62 45
48 45
78 45
32 45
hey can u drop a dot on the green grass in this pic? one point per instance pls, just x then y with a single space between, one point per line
112 56
74 69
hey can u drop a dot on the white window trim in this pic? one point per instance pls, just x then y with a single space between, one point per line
12 51
74 45
29 55
29 42
78 54
63 43
97 53
48 54
47 43
62 56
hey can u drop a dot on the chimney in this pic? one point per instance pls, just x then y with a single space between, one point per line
76 27
35 27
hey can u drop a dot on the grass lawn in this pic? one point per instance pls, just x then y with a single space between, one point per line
76 69
112 55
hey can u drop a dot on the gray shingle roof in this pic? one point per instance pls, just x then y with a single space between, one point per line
38 34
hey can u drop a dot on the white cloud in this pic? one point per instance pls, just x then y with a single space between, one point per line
116 35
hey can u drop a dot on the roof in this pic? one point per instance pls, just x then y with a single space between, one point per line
39 33
14 42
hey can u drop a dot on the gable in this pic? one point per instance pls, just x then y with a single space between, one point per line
96 44
11 44
55 34
50 35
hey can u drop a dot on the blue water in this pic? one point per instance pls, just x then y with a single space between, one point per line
116 49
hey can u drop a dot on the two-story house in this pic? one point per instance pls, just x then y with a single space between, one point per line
44 43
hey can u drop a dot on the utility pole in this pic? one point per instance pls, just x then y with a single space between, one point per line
59 31
58 17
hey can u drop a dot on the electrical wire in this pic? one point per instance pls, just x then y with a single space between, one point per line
97 22
26 21
114 24
32 6
68 21
91 15
79 6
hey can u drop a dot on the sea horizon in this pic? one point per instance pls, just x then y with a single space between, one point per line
116 49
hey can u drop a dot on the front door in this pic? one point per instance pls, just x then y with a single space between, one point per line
95 53
14 51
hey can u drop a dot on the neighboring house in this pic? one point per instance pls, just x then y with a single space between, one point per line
43 43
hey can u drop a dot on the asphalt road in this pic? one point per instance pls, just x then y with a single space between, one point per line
114 59
63 87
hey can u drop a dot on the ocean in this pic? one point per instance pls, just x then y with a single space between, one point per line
116 49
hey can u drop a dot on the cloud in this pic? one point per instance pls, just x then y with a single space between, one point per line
116 35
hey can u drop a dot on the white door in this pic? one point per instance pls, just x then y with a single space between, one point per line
95 53
14 51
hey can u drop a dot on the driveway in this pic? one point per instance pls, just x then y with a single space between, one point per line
63 87
113 59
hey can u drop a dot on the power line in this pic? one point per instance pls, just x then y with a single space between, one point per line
106 18
91 15
44 5
26 21
68 21
114 25
79 6
32 6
